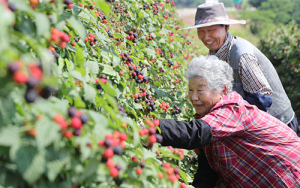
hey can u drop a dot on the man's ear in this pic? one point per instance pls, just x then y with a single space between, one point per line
227 28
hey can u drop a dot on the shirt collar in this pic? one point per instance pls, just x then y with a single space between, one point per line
223 52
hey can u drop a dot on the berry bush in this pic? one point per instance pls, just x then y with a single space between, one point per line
82 85
282 47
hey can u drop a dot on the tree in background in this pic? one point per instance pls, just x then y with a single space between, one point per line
256 3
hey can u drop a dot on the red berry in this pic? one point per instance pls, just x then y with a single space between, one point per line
123 136
152 139
63 125
134 159
68 134
110 163
76 123
20 77
121 73
172 178
70 6
108 153
183 185
114 172
73 43
160 175
139 171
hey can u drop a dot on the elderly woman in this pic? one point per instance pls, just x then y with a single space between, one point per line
245 146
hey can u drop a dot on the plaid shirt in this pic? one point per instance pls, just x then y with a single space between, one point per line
252 78
250 148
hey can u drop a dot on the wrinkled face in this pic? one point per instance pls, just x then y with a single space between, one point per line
201 96
213 37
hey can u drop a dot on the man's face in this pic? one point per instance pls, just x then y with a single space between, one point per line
213 37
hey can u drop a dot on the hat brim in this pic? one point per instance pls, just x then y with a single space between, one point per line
224 22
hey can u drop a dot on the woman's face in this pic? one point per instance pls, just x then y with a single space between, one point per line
213 37
201 96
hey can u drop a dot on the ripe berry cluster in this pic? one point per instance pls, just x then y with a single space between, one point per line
132 36
114 145
32 80
164 106
150 37
102 17
59 37
92 39
146 7
173 174
69 3
176 111
76 119
150 133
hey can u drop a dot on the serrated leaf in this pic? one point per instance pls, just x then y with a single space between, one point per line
54 167
137 106
150 52
42 23
78 26
91 168
89 93
92 67
108 70
36 168
46 132
77 75
9 136
30 163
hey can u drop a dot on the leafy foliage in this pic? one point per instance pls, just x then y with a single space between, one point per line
82 84
281 46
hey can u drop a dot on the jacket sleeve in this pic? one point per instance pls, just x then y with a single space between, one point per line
263 102
186 135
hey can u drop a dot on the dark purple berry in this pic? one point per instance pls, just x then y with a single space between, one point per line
84 118
107 143
12 68
30 96
159 138
77 132
72 112
142 164
12 7
118 150
32 82
118 166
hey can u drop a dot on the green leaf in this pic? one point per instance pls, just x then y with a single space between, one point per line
108 70
9 136
31 163
89 93
91 168
150 52
183 176
42 23
92 66
46 132
79 103
36 169
78 26
79 58
137 106
77 75
54 167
